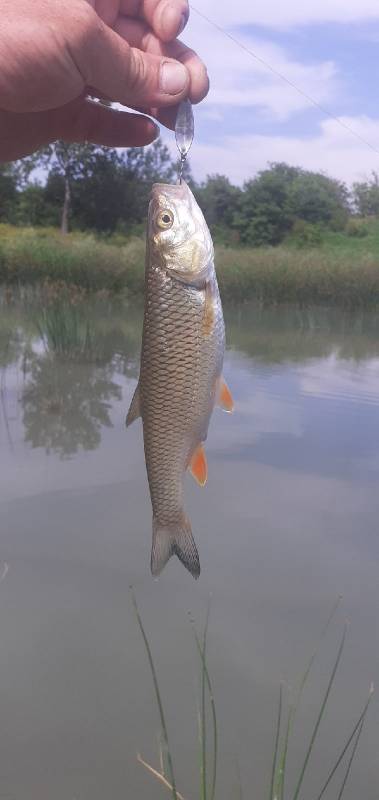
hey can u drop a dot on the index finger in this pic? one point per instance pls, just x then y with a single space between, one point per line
167 18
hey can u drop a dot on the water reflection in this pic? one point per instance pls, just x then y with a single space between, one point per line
13 344
275 335
72 360
66 404
288 521
70 373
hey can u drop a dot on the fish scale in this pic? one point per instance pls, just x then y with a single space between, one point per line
168 392
181 362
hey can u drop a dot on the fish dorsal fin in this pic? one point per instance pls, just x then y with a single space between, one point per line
198 466
134 408
225 399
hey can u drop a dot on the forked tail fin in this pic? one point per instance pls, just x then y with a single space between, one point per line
169 540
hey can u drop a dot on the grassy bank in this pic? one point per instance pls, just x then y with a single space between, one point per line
341 270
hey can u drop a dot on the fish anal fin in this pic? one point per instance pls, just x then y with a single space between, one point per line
174 539
134 408
198 466
225 399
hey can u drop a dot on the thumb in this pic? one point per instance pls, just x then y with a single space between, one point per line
128 75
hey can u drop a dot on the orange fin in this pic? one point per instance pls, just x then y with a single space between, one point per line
225 399
198 466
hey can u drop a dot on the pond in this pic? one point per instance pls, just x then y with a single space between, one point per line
287 522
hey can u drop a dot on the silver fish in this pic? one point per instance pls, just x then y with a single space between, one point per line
181 364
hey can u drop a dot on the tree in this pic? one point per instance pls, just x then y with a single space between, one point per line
101 194
265 217
278 196
113 191
8 192
101 187
366 196
68 162
152 164
32 208
219 200
316 198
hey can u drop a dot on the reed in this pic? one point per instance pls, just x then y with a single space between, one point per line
277 789
332 274
65 332
32 258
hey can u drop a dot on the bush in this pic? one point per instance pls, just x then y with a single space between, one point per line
357 228
306 234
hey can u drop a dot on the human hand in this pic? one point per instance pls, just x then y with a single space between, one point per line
53 54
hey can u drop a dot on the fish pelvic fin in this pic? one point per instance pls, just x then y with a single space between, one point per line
177 539
134 408
198 466
225 399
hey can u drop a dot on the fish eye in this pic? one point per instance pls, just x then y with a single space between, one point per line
165 219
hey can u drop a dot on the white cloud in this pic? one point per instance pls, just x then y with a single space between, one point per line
287 14
331 149
238 80
336 379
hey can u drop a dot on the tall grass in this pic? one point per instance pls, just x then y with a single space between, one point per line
34 256
332 274
305 277
64 331
277 789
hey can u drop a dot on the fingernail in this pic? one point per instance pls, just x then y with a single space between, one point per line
183 23
173 77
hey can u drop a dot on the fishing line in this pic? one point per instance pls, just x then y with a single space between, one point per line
286 80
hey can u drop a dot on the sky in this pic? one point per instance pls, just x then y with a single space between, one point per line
328 48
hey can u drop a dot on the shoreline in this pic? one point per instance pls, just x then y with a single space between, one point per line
323 276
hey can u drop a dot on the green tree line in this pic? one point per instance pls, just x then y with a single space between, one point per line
88 187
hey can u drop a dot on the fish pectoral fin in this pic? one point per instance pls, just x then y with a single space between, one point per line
198 466
225 399
175 539
134 408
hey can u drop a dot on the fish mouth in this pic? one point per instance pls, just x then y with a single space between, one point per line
169 190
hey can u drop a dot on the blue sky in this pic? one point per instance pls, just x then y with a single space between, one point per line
328 48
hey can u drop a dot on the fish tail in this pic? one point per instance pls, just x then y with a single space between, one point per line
177 539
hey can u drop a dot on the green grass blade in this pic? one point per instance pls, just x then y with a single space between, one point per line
170 766
281 771
276 744
314 654
346 746
320 716
213 710
354 750
239 781
203 721
347 773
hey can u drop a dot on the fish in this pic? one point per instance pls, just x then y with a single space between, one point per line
180 381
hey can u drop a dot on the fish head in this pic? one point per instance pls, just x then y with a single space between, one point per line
178 234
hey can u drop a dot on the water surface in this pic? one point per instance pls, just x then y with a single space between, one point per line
288 520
